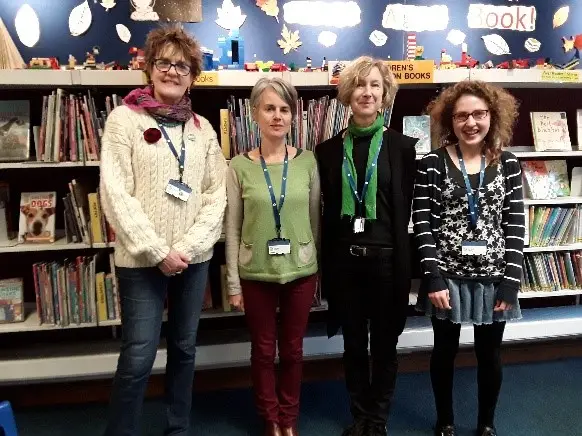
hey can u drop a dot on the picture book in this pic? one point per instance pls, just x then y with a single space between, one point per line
537 181
418 127
550 131
11 301
14 130
37 217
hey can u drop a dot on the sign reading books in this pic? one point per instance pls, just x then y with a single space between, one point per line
412 71
37 217
207 78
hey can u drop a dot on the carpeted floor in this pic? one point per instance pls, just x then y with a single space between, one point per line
540 399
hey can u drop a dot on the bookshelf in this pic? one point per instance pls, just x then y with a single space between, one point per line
88 357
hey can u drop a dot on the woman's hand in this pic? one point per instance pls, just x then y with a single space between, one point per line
174 263
237 302
440 299
501 306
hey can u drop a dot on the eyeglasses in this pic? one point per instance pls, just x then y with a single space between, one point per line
478 115
165 65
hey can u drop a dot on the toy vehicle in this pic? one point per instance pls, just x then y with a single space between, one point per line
250 66
138 60
44 64
279 67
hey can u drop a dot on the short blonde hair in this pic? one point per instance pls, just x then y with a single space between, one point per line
360 68
175 36
284 89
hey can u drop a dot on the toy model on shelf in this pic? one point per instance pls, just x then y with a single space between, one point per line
137 62
467 61
232 51
418 53
44 64
90 62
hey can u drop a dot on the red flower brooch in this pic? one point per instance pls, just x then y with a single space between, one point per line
152 135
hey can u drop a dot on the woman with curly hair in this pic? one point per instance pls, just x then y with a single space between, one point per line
469 223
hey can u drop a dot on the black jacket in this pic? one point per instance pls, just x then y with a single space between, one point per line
402 158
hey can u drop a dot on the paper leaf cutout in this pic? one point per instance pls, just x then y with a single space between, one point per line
123 32
229 16
495 44
456 37
532 45
378 38
108 4
327 38
290 40
27 25
269 7
80 19
561 16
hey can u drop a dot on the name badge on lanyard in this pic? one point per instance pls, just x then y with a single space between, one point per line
472 248
177 188
359 220
278 245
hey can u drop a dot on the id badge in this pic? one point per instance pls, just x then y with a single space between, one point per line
474 248
359 224
181 191
279 246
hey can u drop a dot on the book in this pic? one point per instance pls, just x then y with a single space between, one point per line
418 127
550 131
37 217
11 301
579 128
14 130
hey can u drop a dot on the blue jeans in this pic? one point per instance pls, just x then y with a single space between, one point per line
143 292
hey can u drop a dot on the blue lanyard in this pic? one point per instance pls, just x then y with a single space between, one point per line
276 209
473 199
182 158
369 173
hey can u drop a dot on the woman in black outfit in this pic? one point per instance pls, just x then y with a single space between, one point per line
469 224
363 243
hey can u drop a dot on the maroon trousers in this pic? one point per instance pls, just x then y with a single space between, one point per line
278 404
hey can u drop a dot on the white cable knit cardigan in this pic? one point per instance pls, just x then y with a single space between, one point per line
134 174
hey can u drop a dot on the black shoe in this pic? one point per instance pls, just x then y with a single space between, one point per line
445 430
487 431
358 428
375 429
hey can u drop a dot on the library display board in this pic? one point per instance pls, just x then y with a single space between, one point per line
59 310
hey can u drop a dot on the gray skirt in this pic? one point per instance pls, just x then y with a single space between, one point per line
471 302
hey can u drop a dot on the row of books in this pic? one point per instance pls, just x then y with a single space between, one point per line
550 272
550 226
70 129
73 292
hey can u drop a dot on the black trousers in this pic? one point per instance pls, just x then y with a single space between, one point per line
365 295
488 339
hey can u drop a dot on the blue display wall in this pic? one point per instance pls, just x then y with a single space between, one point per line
261 32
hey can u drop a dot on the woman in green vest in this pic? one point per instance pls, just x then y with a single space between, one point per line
272 223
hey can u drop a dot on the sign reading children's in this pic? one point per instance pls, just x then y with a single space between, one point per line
412 71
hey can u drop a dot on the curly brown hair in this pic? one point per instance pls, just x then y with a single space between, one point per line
176 37
502 108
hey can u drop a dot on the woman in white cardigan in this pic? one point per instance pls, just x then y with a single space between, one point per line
163 191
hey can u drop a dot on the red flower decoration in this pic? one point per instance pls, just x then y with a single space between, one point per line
152 135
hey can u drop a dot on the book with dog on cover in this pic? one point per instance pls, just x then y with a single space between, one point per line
37 217
11 301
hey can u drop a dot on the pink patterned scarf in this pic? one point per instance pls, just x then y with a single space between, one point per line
143 99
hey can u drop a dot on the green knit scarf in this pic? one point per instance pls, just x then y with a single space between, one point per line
348 199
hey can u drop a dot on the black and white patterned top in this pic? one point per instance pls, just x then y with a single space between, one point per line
439 214
455 226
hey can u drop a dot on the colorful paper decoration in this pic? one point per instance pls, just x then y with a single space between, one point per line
123 32
80 19
495 44
327 38
269 7
532 45
290 40
144 10
108 4
378 38
230 16
27 25
415 18
561 16
456 37
410 46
